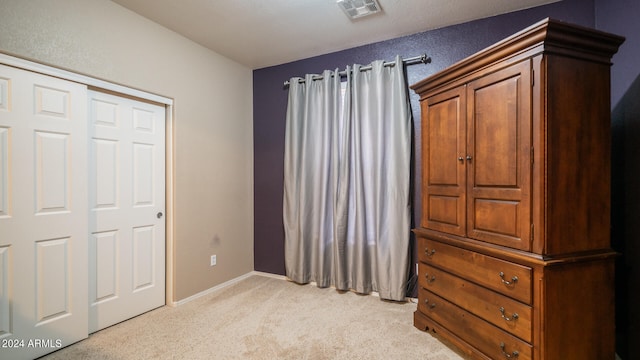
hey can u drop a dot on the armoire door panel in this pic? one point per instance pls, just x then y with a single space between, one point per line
495 128
499 171
444 209
443 170
500 217
443 144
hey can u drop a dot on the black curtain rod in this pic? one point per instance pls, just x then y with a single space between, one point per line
422 59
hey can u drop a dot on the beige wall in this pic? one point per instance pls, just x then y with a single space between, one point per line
212 95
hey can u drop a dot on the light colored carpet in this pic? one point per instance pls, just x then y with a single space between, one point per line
266 318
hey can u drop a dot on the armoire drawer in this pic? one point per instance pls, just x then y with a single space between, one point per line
488 339
502 311
505 277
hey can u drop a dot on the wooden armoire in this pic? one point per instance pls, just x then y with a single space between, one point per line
514 238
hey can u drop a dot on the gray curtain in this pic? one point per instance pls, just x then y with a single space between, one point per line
346 206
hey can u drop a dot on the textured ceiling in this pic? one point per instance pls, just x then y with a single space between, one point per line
261 33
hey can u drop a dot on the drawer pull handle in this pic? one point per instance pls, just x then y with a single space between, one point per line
512 318
512 282
431 306
433 278
429 252
506 354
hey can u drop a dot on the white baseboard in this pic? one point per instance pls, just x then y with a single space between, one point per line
226 284
213 289
252 273
269 275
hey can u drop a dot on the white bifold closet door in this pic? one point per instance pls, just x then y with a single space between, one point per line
43 213
82 202
127 204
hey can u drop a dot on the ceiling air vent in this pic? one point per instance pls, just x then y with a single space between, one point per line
358 8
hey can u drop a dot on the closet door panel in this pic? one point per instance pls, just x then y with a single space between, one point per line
4 171
43 213
127 242
5 291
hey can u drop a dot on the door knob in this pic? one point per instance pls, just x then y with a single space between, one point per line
469 158
159 215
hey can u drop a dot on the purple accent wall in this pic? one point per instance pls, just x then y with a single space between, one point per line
621 17
446 46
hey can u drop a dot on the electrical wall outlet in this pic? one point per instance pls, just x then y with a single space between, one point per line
214 260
